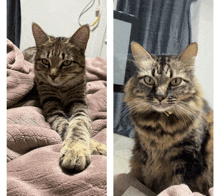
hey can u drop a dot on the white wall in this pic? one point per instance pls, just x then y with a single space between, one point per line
60 18
115 4
202 33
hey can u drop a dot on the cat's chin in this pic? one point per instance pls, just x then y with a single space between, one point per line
57 84
162 108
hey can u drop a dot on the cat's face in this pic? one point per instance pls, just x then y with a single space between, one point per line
161 82
59 60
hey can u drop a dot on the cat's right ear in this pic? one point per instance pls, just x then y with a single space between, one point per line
39 35
139 53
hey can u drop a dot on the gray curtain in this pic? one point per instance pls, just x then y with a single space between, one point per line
164 29
14 21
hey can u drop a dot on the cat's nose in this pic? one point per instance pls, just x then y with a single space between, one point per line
53 77
160 97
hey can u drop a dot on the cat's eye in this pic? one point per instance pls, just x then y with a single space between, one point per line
176 81
66 63
148 80
45 62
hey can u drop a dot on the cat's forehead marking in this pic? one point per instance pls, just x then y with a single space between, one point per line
162 66
62 55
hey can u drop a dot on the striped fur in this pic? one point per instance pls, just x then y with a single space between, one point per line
173 124
60 77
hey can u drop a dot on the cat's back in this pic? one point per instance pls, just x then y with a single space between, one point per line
29 54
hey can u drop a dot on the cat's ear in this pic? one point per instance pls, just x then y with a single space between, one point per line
39 35
189 54
139 52
81 37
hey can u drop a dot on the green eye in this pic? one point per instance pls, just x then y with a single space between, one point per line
176 81
148 80
66 63
45 62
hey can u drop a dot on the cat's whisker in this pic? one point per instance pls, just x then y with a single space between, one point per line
185 109
194 108
185 112
190 105
180 115
124 114
195 114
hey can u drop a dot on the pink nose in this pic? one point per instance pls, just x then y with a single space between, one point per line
160 97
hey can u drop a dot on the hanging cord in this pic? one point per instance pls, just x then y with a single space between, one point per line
97 13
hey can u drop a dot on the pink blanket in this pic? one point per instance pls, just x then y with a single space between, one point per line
181 190
33 148
123 181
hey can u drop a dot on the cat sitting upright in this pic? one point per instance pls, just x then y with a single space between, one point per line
173 123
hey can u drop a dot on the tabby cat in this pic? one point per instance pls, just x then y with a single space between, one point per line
60 77
173 123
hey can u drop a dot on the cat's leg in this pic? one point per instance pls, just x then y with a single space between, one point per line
56 117
136 167
97 148
75 153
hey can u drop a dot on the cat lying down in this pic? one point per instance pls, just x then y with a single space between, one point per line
60 78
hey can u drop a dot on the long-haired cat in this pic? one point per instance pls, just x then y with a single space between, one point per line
60 77
173 123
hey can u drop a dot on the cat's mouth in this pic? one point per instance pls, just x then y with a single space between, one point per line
55 83
162 107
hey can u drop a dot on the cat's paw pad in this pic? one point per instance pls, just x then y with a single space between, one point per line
75 157
100 149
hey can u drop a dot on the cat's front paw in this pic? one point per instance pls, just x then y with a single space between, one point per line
98 148
75 157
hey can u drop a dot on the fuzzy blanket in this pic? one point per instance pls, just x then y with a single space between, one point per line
33 149
125 184
182 190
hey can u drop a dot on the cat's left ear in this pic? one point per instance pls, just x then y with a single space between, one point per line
189 54
81 37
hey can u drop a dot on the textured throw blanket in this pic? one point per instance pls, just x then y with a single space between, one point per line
33 148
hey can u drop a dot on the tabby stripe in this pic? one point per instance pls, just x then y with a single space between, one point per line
75 88
78 114
63 55
159 131
82 65
191 98
163 61
204 143
62 129
187 141
53 112
171 73
152 116
153 72
79 134
53 119
194 165
50 99
76 102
